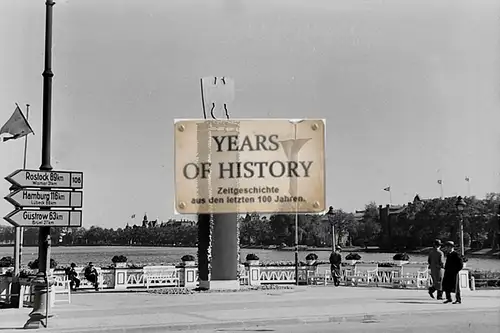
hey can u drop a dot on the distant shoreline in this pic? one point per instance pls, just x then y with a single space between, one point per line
484 253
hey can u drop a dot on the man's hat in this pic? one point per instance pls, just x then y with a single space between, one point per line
73 264
338 248
449 243
437 242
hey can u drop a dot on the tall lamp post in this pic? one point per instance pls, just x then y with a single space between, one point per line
460 207
329 216
498 230
293 149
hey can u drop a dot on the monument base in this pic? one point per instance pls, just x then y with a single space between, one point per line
225 285
463 281
204 285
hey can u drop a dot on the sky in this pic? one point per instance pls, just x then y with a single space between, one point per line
409 91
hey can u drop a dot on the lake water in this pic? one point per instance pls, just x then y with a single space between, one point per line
101 255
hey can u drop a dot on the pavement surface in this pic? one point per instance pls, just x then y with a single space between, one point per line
447 322
302 309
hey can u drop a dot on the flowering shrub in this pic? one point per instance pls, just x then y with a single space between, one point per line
120 258
385 264
7 262
188 257
312 256
353 256
252 256
401 256
34 264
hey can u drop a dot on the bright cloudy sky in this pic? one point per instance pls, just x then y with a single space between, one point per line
406 88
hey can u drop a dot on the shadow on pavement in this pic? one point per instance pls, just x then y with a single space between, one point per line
246 330
11 328
415 302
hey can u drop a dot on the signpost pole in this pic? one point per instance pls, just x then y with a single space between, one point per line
204 237
21 229
224 250
41 306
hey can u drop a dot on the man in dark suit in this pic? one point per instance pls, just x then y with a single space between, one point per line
453 266
91 274
335 263
72 274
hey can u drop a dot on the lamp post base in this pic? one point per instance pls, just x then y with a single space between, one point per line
42 303
15 291
35 322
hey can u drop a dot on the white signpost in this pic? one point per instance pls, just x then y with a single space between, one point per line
46 179
46 198
42 218
42 189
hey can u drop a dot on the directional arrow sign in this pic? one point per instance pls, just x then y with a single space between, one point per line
41 218
55 179
45 198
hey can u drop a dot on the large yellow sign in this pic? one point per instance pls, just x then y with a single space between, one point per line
245 166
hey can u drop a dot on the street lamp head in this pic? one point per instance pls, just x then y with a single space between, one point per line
460 203
330 211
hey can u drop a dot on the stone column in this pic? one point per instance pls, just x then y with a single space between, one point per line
223 252
224 274
463 281
254 274
120 278
189 276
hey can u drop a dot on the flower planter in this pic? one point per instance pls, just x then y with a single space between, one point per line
4 270
120 264
352 262
400 262
310 262
189 263
253 262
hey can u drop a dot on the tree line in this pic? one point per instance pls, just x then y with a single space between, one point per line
415 225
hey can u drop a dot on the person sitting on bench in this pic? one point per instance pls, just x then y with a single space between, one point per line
74 281
91 274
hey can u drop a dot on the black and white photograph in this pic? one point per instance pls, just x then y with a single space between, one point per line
288 166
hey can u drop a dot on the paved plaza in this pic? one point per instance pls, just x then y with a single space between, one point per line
302 309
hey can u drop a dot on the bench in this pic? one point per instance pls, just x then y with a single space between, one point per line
244 275
412 275
316 277
25 294
161 276
364 274
61 287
